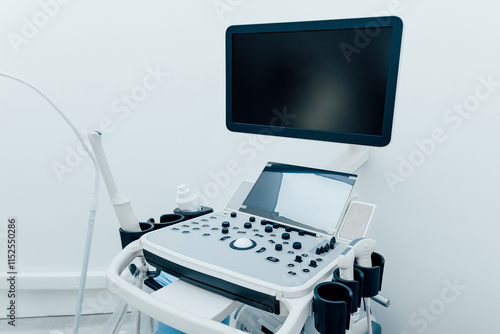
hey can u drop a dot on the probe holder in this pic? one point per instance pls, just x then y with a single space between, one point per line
372 283
169 219
188 214
127 237
355 285
331 302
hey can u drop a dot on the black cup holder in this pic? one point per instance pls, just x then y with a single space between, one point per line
373 275
331 307
355 285
127 237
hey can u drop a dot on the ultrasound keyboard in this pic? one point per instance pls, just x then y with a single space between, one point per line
245 257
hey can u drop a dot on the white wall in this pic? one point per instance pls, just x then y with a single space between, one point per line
437 224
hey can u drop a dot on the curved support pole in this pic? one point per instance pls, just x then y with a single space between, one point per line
350 160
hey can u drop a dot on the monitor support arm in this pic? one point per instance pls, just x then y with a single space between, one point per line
350 160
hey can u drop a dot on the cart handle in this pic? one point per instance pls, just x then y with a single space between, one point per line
188 322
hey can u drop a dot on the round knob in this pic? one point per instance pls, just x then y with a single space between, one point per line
263 222
298 259
301 232
247 225
268 229
332 243
313 264
233 214
278 247
285 236
225 224
252 219
288 229
225 230
297 245
276 225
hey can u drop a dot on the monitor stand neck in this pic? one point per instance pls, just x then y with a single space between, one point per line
350 160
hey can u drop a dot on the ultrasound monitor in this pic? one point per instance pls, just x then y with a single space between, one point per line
331 80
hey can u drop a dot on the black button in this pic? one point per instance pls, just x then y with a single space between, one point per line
301 232
305 255
247 225
263 222
272 259
332 241
298 259
225 224
318 251
268 229
290 265
288 229
285 236
278 247
276 225
313 264
297 245
233 214
252 219
225 230
292 273
327 247
261 250
305 270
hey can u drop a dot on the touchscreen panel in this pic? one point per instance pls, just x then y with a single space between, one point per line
304 197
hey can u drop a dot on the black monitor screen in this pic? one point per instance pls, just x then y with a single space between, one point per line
325 80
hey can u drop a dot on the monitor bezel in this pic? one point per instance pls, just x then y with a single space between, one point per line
341 137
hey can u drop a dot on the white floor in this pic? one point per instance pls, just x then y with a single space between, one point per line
61 325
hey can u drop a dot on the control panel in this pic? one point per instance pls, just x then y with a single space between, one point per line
236 250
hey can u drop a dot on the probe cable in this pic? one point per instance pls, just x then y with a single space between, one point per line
93 203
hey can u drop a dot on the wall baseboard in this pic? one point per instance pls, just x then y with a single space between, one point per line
41 294
57 280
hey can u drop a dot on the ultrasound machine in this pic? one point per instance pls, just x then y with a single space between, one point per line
289 252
